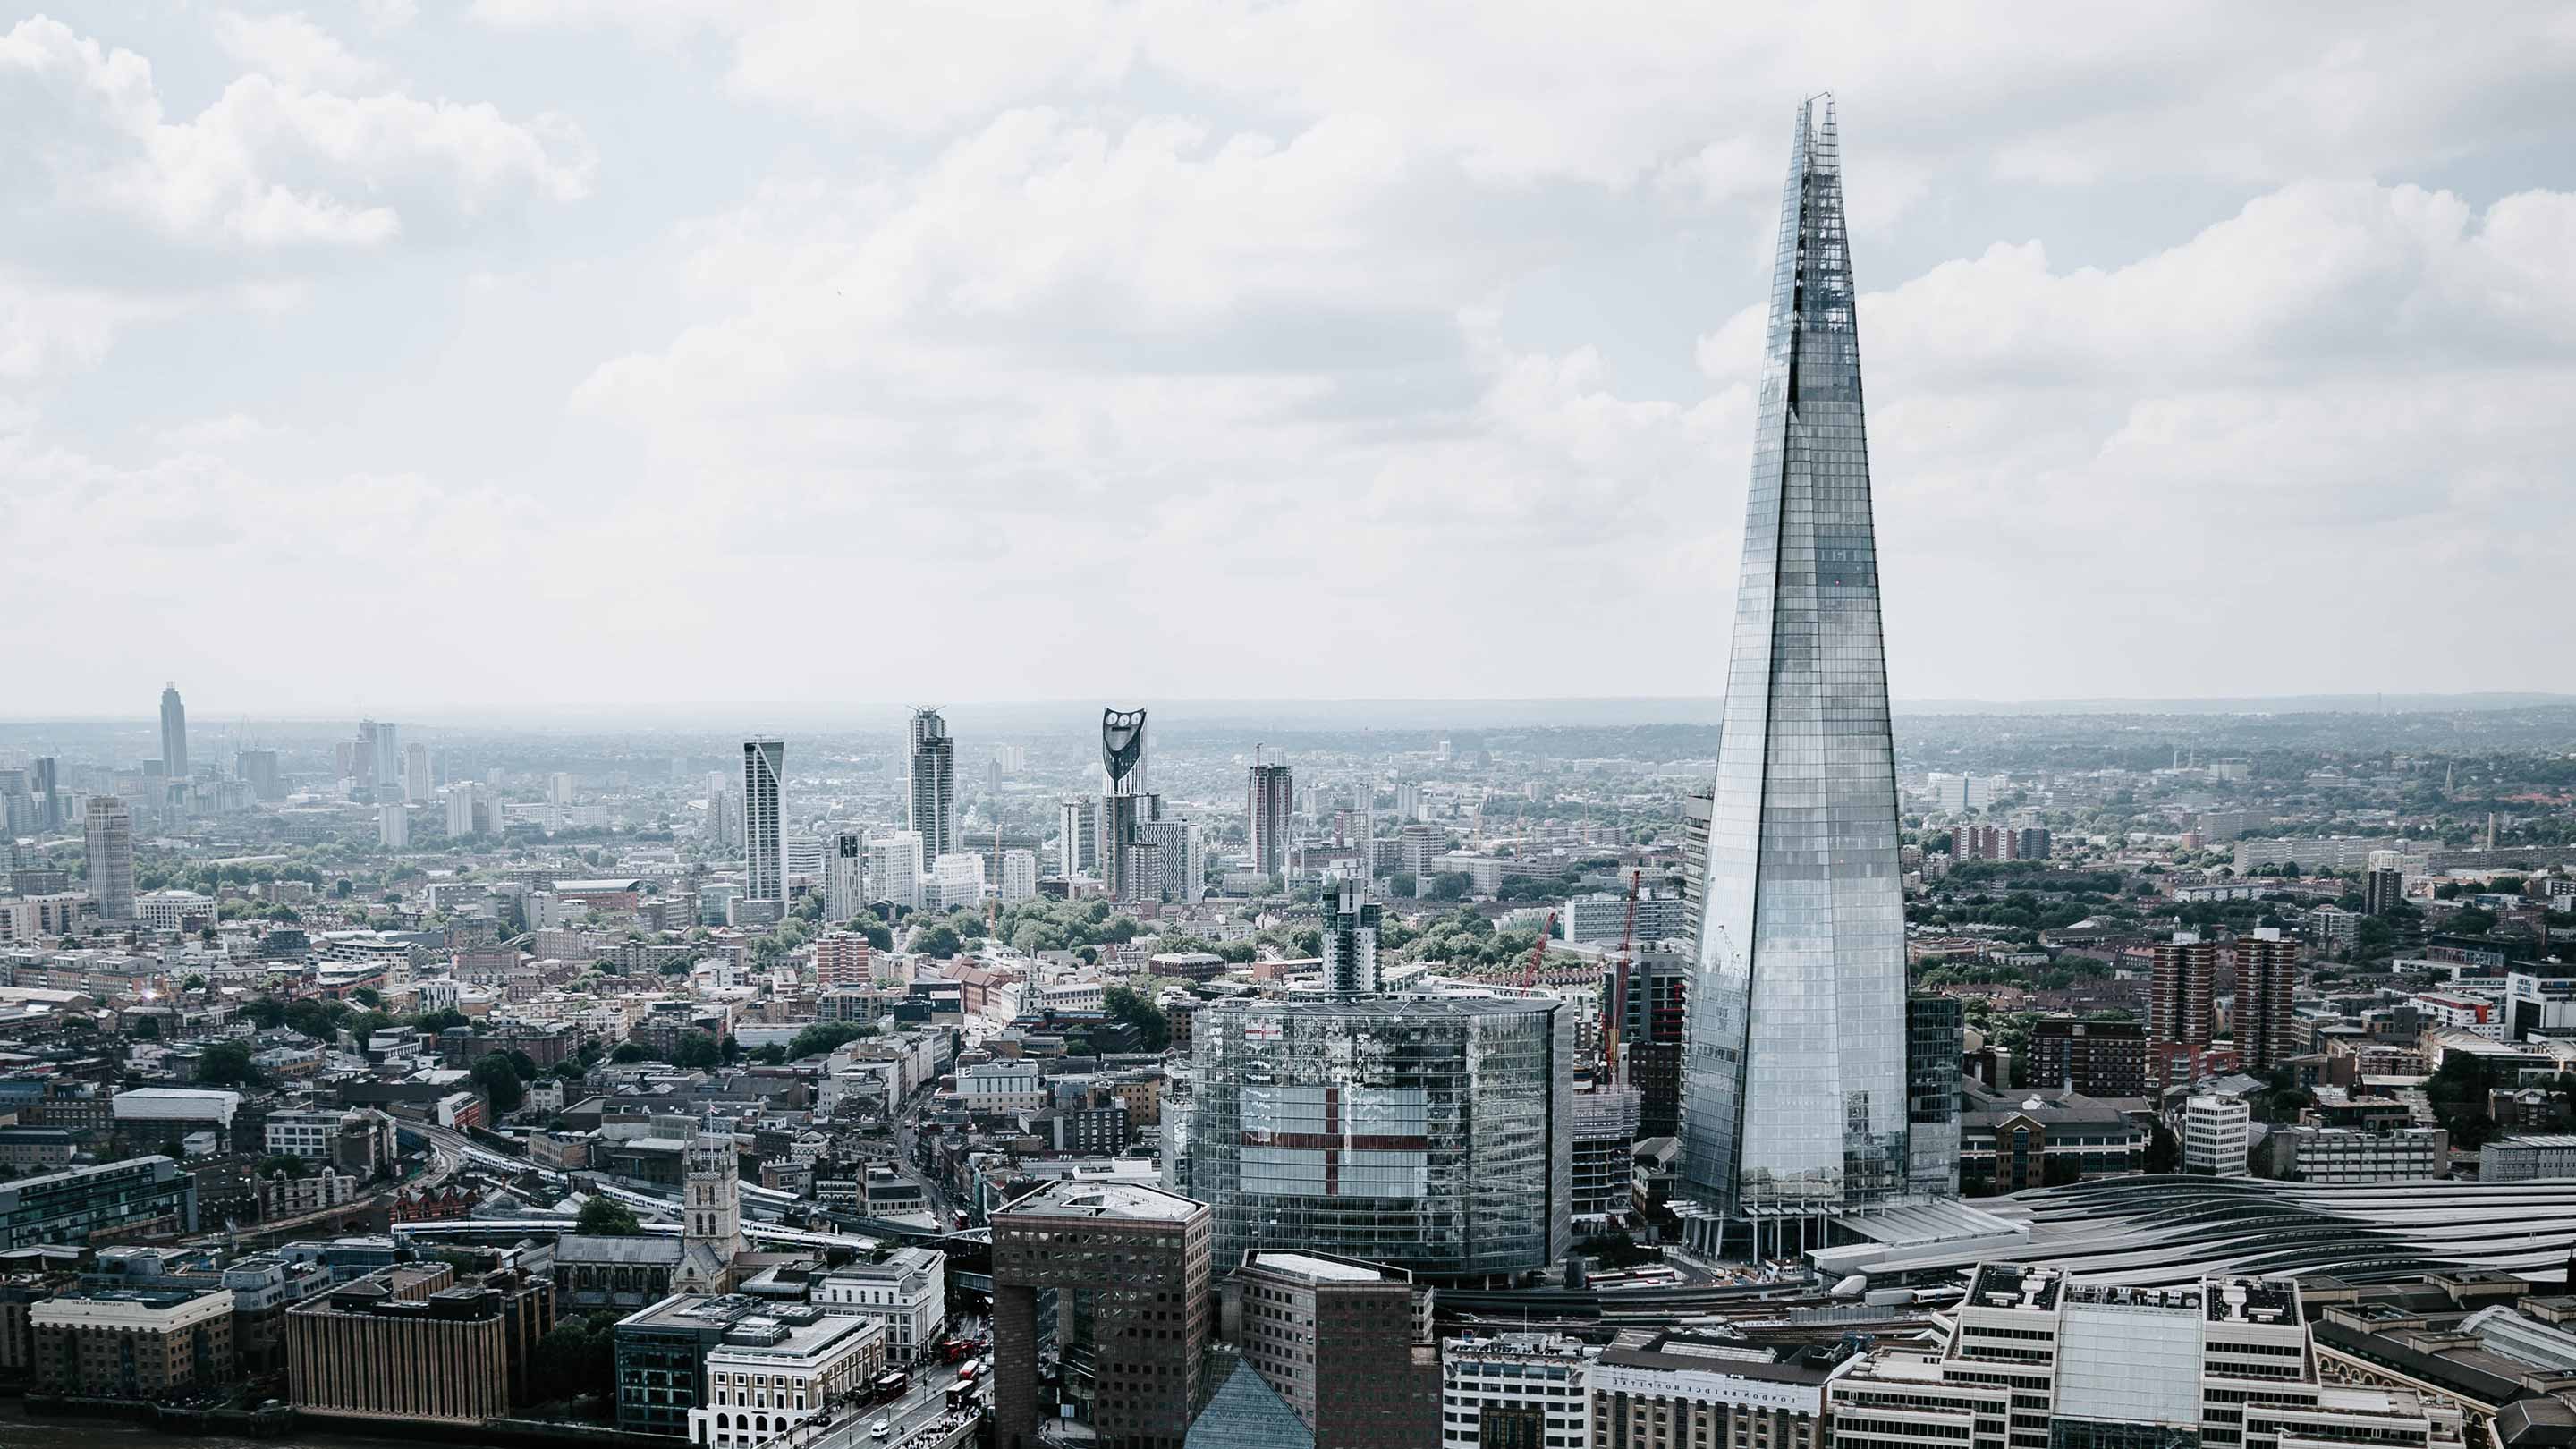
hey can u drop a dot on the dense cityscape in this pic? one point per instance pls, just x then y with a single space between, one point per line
1789 1070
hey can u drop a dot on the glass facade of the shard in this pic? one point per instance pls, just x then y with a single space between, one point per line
1794 1090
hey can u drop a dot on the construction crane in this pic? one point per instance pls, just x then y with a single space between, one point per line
1545 933
993 907
1614 1005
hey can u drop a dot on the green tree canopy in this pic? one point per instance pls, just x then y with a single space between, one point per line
499 1082
605 1217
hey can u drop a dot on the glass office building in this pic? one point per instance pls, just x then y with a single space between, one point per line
1794 1090
1431 1134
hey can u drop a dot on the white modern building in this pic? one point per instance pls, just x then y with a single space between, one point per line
894 868
1536 1379
906 1291
1019 876
393 825
1002 1088
2216 1134
845 874
956 882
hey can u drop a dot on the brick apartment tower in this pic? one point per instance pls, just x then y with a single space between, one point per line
2267 966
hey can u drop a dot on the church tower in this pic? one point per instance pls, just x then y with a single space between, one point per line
711 1221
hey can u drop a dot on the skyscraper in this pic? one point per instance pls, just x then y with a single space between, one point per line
933 757
1124 807
1795 1093
110 857
42 783
258 770
1077 835
764 854
1272 799
415 781
1350 940
174 732
2179 989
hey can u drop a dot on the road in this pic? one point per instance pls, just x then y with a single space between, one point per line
908 1161
923 1408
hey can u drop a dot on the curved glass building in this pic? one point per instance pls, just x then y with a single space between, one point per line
1429 1133
1794 1076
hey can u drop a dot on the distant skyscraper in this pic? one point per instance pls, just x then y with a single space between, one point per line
174 732
933 756
415 773
1077 835
764 861
43 782
393 825
111 857
845 874
1795 1089
1350 939
2179 988
1124 807
1272 800
258 770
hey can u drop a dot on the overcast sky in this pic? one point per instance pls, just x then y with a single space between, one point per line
417 356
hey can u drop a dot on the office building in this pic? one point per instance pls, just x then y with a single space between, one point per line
1807 1115
132 1343
2343 1155
774 1370
1603 1159
1653 1025
1270 805
393 825
845 874
1513 1391
1958 794
2217 1132
2267 968
140 1197
2043 1137
375 762
662 1356
174 733
1077 835
2180 982
903 1289
894 869
2526 1157
931 783
1935 1043
2096 1058
45 783
1432 1134
109 825
414 1342
1689 1388
1129 1268
2040 1360
1607 917
1020 876
764 861
1345 1343
1350 940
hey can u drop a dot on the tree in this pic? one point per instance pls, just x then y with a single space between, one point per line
606 1217
696 1051
628 1051
1131 1009
939 942
576 1361
825 1036
2164 1153
228 1064
499 1083
524 1064
1450 885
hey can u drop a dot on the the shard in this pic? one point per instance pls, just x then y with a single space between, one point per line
1794 1089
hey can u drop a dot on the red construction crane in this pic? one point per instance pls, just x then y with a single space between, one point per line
1545 933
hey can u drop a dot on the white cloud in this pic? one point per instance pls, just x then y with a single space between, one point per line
268 164
293 49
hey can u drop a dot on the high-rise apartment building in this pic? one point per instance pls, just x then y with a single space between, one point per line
1795 1094
416 784
2383 888
1269 804
1129 1266
932 778
174 733
895 868
764 851
1346 1344
1935 1043
2267 968
1350 939
1019 876
1179 850
44 781
109 824
1077 835
845 874
393 825
380 752
2182 973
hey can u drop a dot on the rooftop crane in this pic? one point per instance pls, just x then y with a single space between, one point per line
1545 934
1614 1005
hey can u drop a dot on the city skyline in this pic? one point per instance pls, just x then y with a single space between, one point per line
1468 321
